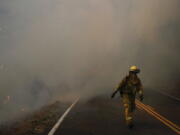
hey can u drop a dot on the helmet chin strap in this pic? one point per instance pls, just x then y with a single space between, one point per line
134 72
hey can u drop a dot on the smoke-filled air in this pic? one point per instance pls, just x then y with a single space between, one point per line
61 49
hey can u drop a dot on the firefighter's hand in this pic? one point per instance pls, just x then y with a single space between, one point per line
121 93
112 96
141 97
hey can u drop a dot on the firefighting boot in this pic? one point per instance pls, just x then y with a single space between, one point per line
129 122
129 119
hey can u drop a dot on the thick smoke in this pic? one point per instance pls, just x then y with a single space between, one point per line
62 48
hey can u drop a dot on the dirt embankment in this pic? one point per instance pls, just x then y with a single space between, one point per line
37 123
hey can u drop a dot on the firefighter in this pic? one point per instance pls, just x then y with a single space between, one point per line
128 87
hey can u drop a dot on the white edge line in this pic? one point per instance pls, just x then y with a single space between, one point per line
56 126
168 95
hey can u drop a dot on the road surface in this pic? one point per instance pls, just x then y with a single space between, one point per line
101 115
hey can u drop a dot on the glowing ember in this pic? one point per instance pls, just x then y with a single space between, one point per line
6 100
24 109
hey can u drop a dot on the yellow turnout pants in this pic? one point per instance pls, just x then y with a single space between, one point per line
129 107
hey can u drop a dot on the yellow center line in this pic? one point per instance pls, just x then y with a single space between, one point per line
168 123
149 108
174 129
160 116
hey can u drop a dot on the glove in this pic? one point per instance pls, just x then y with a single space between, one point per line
121 93
141 97
112 96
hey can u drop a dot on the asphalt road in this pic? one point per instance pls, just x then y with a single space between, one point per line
103 116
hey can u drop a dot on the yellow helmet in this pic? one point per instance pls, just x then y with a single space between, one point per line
134 69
